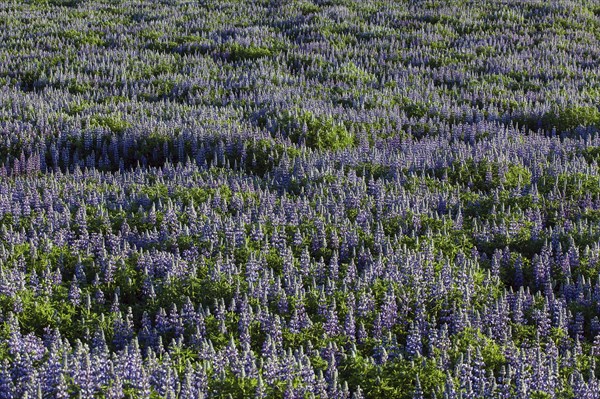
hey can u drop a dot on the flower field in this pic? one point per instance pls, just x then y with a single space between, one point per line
299 199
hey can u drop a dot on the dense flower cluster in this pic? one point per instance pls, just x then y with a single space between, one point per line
299 199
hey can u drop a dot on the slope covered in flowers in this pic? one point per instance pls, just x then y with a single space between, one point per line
299 199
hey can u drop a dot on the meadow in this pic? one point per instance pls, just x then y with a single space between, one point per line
299 199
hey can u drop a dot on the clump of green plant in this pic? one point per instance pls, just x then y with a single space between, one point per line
318 132
264 154
413 109
238 52
83 37
78 106
516 175
29 79
306 7
76 87
112 122
570 117
351 73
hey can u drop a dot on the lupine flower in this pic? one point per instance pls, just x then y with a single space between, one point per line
190 193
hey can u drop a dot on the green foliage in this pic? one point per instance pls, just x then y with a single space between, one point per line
540 395
311 65
516 176
30 78
417 208
412 109
39 313
83 37
307 7
591 154
77 107
237 52
351 73
264 154
235 387
319 132
187 195
79 87
572 184
473 339
113 122
56 3
394 380
569 117
66 3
